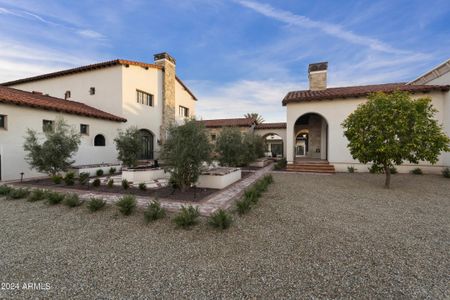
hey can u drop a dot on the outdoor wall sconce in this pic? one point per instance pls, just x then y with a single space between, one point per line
21 176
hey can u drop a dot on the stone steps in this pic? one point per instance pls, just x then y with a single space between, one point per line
311 167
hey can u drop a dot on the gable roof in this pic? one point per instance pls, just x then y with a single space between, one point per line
101 65
236 122
357 91
279 125
434 73
37 100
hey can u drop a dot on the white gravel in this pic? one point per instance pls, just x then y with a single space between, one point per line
311 236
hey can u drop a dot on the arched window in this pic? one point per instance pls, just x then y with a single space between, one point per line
99 140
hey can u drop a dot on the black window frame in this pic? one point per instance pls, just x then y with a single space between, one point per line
101 144
87 129
144 98
47 125
3 122
183 111
92 90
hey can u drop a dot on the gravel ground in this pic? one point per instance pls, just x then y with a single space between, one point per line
311 236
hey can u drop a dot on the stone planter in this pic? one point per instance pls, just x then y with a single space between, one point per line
139 175
260 162
92 169
219 178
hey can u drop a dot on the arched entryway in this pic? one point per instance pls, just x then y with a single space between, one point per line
273 145
147 142
311 137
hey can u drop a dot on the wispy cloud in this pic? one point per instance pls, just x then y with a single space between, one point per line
335 30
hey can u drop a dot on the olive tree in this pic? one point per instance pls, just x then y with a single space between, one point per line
392 128
253 147
229 146
184 152
128 145
52 153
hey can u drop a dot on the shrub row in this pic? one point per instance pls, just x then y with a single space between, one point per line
251 195
281 164
416 171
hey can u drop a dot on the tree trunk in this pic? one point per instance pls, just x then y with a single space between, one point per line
387 171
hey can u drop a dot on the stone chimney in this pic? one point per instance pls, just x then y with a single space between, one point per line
168 93
317 75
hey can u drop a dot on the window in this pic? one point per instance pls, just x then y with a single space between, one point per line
92 91
213 137
84 129
183 111
144 98
47 125
67 95
2 122
99 140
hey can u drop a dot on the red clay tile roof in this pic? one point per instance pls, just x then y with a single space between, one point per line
281 125
37 100
357 91
236 122
91 67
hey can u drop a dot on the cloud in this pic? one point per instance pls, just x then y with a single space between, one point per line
87 33
335 30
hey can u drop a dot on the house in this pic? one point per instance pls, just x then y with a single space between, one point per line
131 93
314 116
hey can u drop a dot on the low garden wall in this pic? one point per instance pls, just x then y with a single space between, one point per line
219 178
144 175
92 169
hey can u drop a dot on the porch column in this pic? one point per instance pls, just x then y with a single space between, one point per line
290 142
323 140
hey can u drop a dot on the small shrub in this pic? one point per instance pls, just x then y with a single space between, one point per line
243 206
83 178
446 172
57 179
96 182
95 204
54 198
351 169
188 216
220 219
99 172
127 204
281 164
374 170
4 190
37 195
268 179
112 171
125 184
72 200
110 183
251 195
18 193
142 186
154 212
393 170
417 171
69 179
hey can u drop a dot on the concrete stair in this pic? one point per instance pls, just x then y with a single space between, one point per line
311 167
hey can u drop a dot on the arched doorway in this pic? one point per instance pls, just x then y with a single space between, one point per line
146 151
273 145
311 137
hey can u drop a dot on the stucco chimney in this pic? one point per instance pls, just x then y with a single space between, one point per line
317 75
168 93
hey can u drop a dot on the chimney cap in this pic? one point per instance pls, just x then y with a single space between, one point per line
320 66
164 55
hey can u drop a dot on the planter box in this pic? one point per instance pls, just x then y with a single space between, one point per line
143 175
260 163
92 169
219 178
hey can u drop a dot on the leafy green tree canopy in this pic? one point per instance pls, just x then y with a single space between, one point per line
184 152
229 146
128 145
52 153
392 128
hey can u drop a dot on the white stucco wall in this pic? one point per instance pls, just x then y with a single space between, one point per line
335 112
183 98
279 132
21 118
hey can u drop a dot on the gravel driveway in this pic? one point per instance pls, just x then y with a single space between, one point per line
311 236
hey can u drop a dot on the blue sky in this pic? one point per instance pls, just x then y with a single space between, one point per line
237 56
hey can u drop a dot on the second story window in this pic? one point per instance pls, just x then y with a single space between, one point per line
144 98
183 111
84 129
47 125
3 121
92 91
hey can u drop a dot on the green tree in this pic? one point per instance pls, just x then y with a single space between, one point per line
128 145
184 152
392 128
53 153
258 118
229 146
252 148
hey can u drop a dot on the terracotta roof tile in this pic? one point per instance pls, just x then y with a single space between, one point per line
37 100
281 125
236 122
357 91
91 67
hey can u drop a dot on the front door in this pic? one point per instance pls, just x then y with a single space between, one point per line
146 152
300 148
